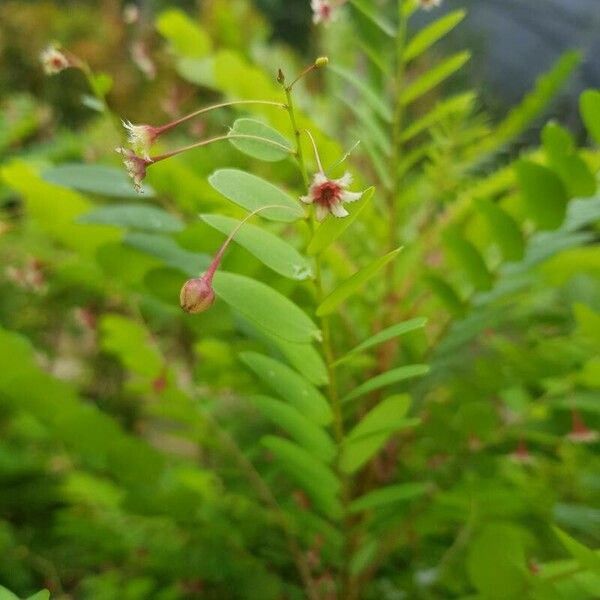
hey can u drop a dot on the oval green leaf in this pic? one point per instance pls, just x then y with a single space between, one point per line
318 480
266 308
309 435
504 230
386 334
387 378
434 77
469 258
544 194
268 248
589 107
331 228
134 216
252 192
372 432
290 386
95 179
388 495
272 146
348 287
429 35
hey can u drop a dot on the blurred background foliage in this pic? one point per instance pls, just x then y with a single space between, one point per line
115 482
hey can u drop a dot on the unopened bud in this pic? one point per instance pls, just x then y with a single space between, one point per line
321 62
280 77
196 295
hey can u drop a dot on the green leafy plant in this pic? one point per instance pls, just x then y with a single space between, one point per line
377 374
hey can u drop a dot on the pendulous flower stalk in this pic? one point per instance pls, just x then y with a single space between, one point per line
137 165
197 294
142 136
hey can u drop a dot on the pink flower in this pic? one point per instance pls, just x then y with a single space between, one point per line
136 166
329 195
54 61
197 294
141 137
580 433
323 11
429 4
521 454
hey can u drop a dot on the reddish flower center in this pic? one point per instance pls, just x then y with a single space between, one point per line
325 11
327 193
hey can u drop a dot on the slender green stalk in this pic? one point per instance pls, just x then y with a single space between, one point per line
230 136
334 399
264 491
299 152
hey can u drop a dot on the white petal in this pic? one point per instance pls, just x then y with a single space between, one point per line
337 210
345 180
351 196
321 212
306 199
319 179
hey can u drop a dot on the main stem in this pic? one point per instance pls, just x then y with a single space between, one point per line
336 406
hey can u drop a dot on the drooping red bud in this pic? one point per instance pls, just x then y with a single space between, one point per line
196 295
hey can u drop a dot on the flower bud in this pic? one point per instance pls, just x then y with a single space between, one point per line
280 77
322 61
196 295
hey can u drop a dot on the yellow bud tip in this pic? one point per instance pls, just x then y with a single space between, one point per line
322 61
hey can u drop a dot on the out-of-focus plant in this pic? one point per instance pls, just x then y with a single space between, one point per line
301 433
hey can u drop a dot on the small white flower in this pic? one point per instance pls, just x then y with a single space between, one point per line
135 165
429 4
329 195
141 137
54 61
323 11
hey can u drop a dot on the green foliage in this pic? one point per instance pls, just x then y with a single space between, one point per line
345 420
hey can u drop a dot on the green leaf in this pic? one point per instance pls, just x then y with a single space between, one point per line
303 430
95 179
469 259
446 293
534 103
169 252
7 594
316 478
504 229
331 228
371 97
496 562
387 378
184 35
586 557
134 216
43 595
589 108
349 286
130 342
263 150
290 386
376 19
429 35
433 77
252 192
265 307
304 358
386 334
562 157
544 194
459 103
388 495
268 248
367 437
